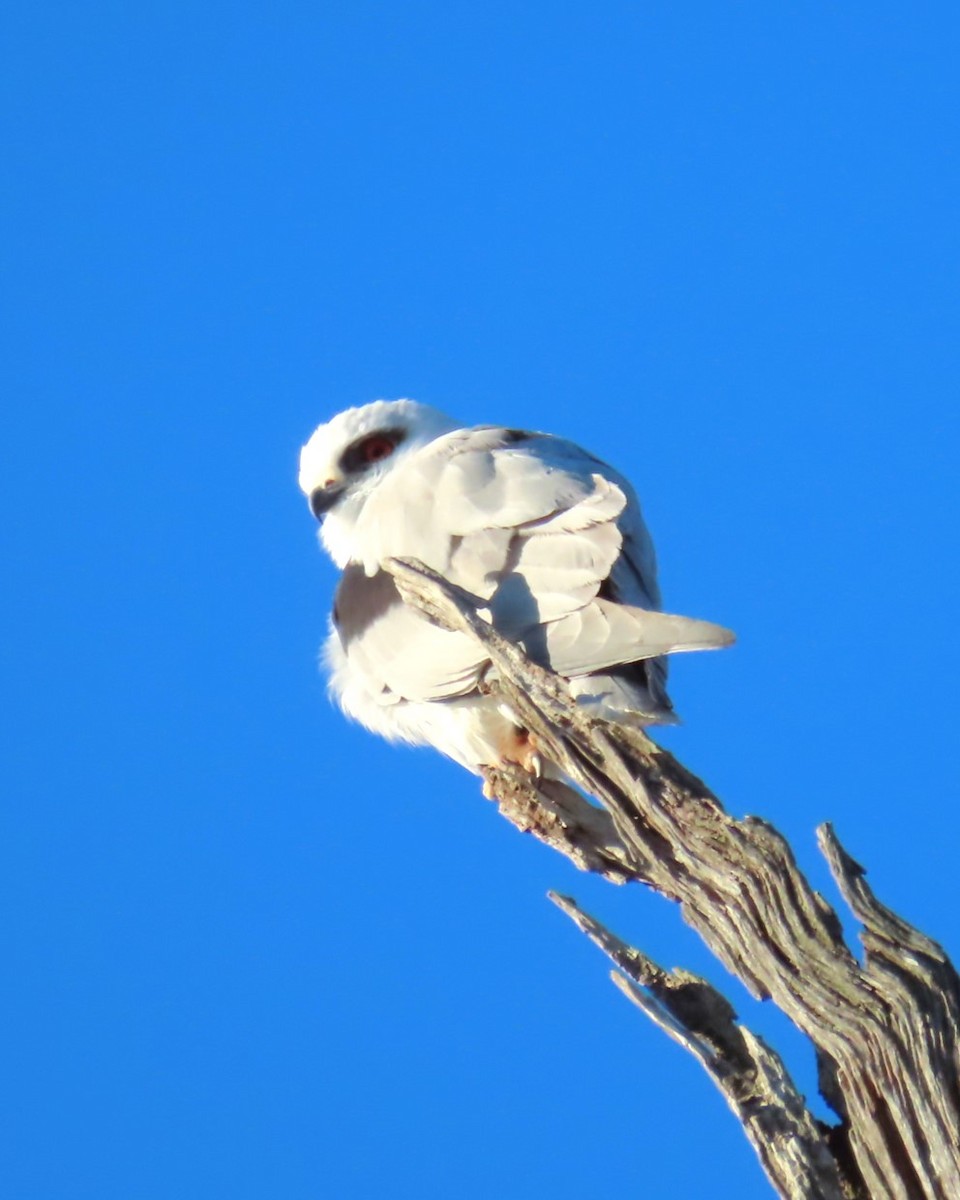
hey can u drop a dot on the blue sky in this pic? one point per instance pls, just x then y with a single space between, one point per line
248 950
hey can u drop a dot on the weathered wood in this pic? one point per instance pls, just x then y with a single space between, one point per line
752 1077
886 1032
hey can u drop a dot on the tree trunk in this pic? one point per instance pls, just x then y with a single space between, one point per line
885 1032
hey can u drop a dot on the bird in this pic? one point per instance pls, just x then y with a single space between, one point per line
549 539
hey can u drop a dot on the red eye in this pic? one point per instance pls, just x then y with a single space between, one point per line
375 448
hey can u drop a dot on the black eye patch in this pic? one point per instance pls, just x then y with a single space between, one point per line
369 449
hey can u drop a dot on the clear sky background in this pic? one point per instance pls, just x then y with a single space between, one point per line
247 950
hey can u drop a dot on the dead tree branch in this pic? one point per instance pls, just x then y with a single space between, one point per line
886 1032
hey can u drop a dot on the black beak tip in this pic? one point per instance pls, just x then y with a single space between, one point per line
322 499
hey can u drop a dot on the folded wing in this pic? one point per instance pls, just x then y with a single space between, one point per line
550 537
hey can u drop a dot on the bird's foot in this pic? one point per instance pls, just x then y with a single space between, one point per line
522 750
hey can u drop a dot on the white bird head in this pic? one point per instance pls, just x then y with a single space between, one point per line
346 458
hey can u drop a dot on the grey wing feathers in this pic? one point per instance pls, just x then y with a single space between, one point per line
553 540
403 655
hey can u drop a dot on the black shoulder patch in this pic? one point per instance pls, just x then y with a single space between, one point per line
360 600
607 590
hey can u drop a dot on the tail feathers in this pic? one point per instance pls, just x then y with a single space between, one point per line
668 633
605 634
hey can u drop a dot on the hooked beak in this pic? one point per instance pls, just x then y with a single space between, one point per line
322 499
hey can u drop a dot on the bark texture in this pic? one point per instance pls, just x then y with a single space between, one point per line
886 1031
